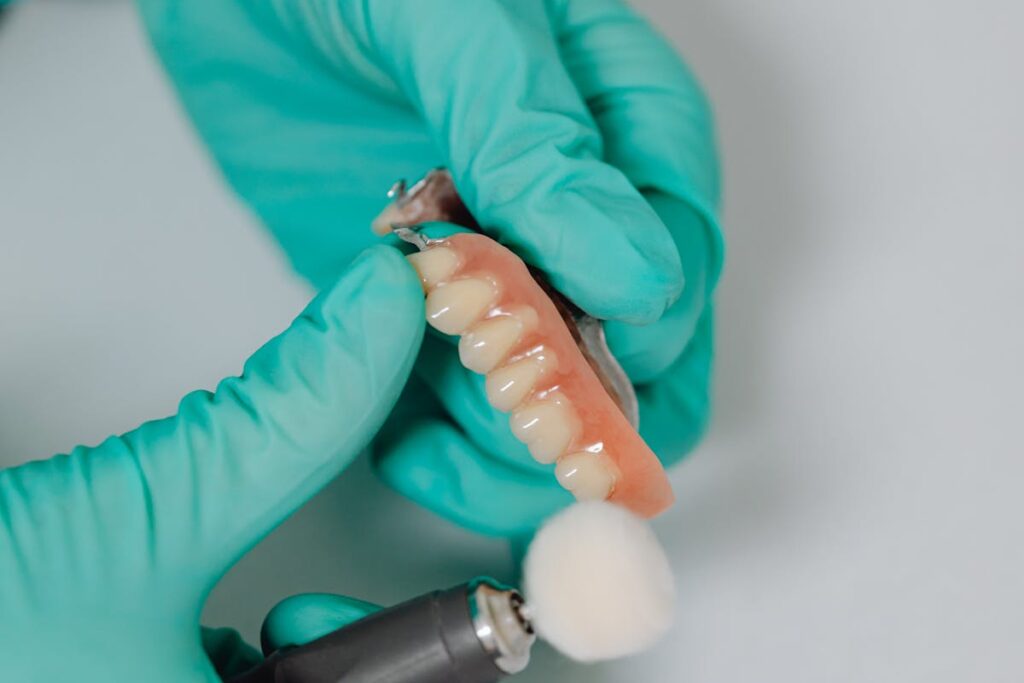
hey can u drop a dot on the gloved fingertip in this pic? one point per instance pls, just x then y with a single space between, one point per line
597 239
650 268
646 352
373 312
654 288
300 619
379 274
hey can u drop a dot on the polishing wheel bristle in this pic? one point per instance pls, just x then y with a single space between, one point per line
599 583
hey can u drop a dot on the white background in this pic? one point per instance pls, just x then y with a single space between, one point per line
856 514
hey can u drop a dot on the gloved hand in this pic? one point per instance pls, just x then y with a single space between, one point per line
574 134
107 553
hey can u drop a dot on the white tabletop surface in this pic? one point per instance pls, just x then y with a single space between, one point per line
855 515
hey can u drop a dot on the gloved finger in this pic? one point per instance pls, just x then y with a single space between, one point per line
300 619
201 487
653 115
523 148
647 351
674 411
657 128
433 463
229 654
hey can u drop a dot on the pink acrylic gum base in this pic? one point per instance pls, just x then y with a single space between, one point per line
641 483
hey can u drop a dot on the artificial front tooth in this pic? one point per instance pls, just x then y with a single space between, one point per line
509 386
487 344
435 265
454 306
589 476
547 427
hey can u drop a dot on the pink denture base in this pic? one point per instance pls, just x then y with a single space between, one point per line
641 485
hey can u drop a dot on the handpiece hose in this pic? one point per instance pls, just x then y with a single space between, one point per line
473 633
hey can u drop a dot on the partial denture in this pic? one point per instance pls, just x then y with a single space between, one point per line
514 333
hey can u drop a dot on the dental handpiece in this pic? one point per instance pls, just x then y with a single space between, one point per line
478 632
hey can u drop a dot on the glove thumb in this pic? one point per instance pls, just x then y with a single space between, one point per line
303 618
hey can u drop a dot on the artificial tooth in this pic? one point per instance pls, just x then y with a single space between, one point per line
487 344
509 386
547 427
589 476
454 306
527 315
545 358
435 265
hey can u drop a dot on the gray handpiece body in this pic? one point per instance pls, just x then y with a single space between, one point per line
430 639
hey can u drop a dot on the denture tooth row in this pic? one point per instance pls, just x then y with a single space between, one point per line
543 419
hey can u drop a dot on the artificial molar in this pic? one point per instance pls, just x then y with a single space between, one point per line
588 476
454 306
434 266
485 345
547 427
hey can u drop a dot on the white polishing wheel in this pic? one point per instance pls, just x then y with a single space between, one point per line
598 583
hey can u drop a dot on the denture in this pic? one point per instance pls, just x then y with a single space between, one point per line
568 400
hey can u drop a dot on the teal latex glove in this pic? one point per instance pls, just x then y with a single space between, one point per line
574 134
295 621
107 553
